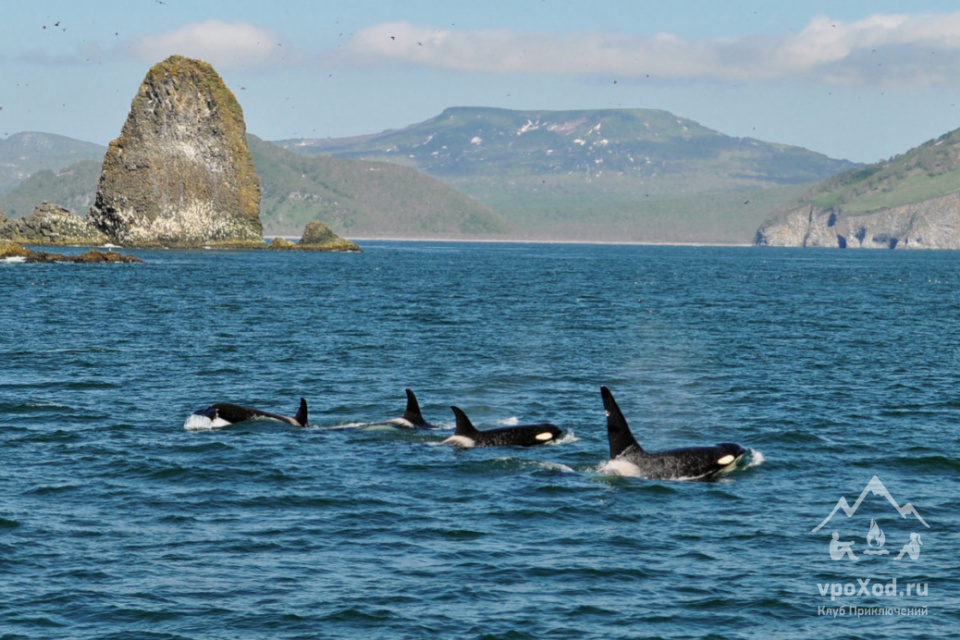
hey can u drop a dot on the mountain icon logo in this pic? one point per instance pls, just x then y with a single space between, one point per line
875 486
840 549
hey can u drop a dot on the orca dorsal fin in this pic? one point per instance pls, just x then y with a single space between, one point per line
301 416
412 414
617 430
464 426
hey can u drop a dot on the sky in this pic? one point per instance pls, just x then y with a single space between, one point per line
857 80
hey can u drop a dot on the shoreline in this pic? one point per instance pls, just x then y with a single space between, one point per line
535 241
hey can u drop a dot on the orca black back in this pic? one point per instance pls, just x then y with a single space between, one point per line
627 457
521 436
235 413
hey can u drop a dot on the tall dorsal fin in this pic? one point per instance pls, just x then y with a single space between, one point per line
617 430
412 414
464 426
301 416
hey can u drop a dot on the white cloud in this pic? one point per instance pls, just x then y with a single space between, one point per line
221 44
900 50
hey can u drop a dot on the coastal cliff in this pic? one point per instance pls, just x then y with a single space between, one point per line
930 224
911 201
180 174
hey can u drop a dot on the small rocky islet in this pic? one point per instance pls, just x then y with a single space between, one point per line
180 175
13 252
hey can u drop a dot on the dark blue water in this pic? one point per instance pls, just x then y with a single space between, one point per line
831 367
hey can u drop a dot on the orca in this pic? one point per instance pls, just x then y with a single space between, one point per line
627 457
224 413
411 418
468 436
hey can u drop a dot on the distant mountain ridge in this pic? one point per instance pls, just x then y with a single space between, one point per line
628 174
647 143
909 201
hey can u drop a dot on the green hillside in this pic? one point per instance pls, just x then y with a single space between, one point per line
74 187
358 198
23 154
928 171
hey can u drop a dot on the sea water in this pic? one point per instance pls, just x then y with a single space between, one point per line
831 368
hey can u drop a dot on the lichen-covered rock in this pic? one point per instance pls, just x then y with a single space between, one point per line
7 229
180 174
930 224
318 237
10 250
282 244
51 224
98 257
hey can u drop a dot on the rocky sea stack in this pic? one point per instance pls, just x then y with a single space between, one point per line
180 174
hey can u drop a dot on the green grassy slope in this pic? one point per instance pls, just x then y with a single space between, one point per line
928 171
721 218
359 198
74 187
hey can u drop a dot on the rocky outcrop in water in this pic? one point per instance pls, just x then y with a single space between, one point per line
930 224
180 174
11 251
316 237
51 224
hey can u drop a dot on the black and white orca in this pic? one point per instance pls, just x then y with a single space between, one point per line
224 413
468 436
627 457
411 418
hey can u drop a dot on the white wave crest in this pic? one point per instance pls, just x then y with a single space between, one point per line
567 438
756 459
197 422
555 466
348 425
